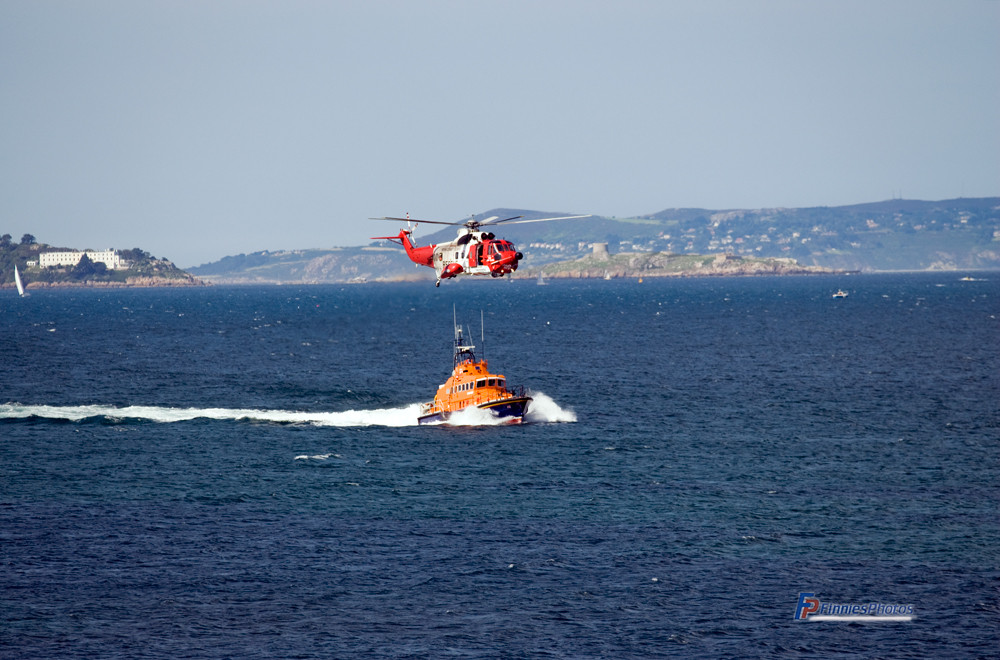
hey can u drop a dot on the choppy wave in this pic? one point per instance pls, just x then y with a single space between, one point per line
544 409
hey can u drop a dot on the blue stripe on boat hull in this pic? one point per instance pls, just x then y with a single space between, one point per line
514 409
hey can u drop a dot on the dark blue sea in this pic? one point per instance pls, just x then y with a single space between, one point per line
237 472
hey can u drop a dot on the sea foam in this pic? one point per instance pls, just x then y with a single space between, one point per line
543 409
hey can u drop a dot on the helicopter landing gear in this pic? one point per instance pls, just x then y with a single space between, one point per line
438 283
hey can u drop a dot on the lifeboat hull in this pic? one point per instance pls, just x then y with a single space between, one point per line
511 411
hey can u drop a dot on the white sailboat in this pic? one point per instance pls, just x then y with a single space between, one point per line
17 281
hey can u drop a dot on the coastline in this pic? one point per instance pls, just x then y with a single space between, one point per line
130 283
746 270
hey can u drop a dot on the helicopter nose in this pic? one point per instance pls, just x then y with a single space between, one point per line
519 256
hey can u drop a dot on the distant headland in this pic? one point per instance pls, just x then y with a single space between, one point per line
633 265
893 235
45 266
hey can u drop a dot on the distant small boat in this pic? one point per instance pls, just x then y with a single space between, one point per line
607 275
840 294
18 282
541 279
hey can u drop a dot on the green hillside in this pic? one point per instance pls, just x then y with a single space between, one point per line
314 266
892 235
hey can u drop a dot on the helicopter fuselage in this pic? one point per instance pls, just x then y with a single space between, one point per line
475 253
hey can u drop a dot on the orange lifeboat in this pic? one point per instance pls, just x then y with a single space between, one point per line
471 385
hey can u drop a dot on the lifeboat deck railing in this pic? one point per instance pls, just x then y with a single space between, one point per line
512 392
518 391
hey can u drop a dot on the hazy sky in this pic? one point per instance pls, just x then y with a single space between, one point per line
196 130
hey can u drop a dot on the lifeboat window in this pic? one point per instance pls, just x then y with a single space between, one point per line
481 382
492 382
500 382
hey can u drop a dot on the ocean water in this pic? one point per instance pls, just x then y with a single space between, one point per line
237 472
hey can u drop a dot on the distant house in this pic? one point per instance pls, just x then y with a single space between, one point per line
109 258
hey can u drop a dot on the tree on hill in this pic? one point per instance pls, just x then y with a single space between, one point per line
28 239
135 255
5 241
86 268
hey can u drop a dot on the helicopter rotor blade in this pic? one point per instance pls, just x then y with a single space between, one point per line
561 217
473 223
415 221
494 221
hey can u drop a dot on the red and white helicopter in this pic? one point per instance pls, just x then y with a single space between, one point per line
473 252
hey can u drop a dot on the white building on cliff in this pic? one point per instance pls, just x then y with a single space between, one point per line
109 258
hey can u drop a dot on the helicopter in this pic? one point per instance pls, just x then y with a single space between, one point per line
473 252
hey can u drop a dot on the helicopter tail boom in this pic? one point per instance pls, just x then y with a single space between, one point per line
423 256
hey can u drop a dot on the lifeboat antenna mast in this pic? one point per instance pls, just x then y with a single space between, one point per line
463 352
